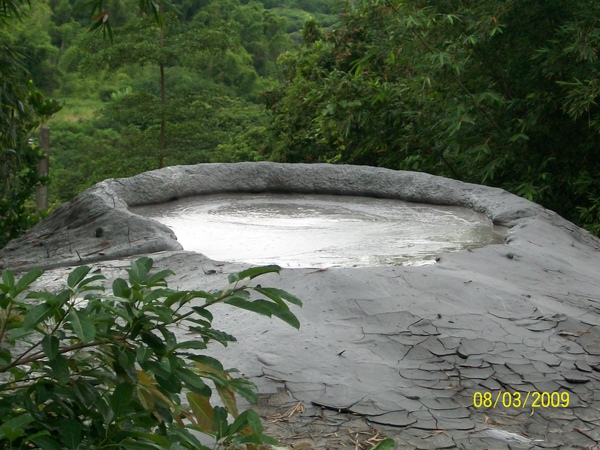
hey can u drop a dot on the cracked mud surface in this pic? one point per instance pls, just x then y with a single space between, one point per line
406 351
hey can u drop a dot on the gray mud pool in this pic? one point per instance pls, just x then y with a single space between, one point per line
321 230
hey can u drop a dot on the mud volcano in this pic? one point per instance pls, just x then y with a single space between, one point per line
410 349
321 230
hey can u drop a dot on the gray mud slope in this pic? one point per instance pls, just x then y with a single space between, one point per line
407 347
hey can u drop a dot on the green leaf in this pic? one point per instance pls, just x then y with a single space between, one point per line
154 342
139 269
212 334
60 369
254 272
159 277
220 422
267 309
193 345
194 382
82 326
209 361
50 345
46 443
121 398
187 437
77 275
120 288
228 398
279 293
8 278
48 297
175 297
203 411
71 433
203 312
386 444
36 315
27 279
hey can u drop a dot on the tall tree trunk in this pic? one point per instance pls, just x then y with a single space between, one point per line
163 101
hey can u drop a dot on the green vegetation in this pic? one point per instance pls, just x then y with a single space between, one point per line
502 93
499 92
83 369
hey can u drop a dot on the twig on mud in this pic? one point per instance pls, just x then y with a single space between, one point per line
297 408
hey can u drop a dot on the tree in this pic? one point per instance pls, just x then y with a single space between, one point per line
502 93
22 109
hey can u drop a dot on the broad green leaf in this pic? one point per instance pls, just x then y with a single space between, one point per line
228 398
82 326
254 272
248 305
8 278
60 369
77 275
143 354
193 345
203 312
50 345
220 422
267 309
36 315
159 277
91 280
175 297
386 444
154 342
19 421
27 279
71 433
245 388
146 399
188 438
48 297
210 362
139 269
46 443
121 398
280 294
171 383
212 334
202 410
120 288
194 382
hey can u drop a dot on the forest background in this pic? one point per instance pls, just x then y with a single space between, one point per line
502 93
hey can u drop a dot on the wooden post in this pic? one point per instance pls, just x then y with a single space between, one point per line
42 168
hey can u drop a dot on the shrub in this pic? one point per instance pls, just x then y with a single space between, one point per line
81 369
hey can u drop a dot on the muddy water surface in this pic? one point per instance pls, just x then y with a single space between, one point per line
320 230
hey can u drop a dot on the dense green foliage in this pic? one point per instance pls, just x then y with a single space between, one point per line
501 93
168 84
22 109
80 369
498 92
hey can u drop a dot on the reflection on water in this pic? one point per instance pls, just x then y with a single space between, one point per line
320 230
